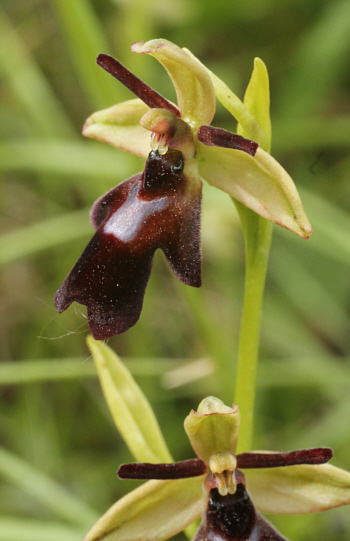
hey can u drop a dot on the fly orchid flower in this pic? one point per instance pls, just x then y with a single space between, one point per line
215 487
160 208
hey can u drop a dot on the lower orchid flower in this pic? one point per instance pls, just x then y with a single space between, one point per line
213 485
160 208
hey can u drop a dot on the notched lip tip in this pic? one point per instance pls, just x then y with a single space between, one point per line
104 332
59 305
102 335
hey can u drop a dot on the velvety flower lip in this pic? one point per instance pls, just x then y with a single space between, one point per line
234 518
153 209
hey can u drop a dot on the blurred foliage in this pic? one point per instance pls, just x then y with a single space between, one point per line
60 449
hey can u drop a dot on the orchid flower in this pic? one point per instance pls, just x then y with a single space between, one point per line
213 485
160 207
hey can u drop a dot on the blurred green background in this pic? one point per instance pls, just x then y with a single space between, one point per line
59 449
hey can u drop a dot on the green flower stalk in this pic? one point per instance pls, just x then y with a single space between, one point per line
213 485
254 121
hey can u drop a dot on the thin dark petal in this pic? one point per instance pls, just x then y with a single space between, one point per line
149 96
176 470
208 135
234 518
151 210
320 455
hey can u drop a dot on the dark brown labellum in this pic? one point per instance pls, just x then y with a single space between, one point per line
234 518
154 209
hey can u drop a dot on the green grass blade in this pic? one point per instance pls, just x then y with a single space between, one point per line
326 372
45 490
28 83
331 227
22 372
309 296
65 157
85 40
22 529
34 238
14 373
309 133
319 61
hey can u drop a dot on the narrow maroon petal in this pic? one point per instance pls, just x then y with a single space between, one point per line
176 470
320 455
149 96
208 135
151 210
233 518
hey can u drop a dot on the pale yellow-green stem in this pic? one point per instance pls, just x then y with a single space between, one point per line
257 235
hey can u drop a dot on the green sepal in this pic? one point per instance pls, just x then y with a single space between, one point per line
193 86
119 126
298 490
257 101
131 411
259 182
155 511
237 108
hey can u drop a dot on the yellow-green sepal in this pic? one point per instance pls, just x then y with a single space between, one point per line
238 110
298 489
257 102
259 182
130 409
193 86
155 511
119 126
